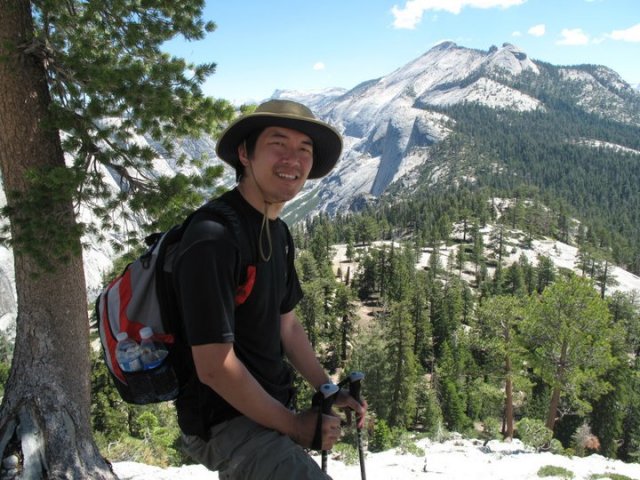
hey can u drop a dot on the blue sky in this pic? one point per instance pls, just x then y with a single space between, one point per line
263 45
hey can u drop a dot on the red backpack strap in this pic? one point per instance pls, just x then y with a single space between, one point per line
226 213
243 291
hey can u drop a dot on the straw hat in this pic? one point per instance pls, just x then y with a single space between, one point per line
327 142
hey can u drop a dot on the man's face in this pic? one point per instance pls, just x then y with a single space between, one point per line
281 162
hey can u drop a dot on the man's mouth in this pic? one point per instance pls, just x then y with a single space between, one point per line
288 176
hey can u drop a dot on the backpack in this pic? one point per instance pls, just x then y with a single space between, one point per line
143 295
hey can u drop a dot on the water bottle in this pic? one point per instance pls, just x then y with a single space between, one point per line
152 353
128 353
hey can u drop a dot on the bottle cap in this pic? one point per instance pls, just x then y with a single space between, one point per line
146 332
122 336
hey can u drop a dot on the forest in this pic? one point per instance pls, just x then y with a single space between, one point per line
467 344
469 341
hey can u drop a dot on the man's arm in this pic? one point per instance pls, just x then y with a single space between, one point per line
301 355
218 367
300 352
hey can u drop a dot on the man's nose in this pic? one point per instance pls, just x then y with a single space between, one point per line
291 155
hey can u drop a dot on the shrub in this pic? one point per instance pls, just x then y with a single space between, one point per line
554 471
406 443
584 441
347 453
492 429
555 446
381 439
534 433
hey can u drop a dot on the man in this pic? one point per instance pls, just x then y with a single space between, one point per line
234 410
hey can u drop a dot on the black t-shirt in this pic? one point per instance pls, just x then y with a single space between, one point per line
210 265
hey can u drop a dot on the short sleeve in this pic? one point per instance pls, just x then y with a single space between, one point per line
206 273
294 291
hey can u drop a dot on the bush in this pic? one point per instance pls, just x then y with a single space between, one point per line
382 438
347 453
407 445
584 441
609 476
147 434
554 471
555 446
492 429
534 433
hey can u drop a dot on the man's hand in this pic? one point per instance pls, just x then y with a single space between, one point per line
305 429
345 400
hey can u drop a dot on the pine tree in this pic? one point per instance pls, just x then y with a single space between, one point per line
453 406
68 67
545 273
569 333
399 334
499 319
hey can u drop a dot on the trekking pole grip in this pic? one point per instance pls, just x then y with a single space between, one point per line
354 385
328 392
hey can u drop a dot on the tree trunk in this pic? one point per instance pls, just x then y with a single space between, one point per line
45 410
555 396
508 388
603 286
553 409
508 407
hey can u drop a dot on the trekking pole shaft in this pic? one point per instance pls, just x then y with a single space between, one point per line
329 391
354 391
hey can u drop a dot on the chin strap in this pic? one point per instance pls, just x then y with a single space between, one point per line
265 228
265 216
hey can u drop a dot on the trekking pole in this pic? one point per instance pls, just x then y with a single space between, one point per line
354 391
329 392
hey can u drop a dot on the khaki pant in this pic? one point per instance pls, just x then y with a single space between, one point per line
240 449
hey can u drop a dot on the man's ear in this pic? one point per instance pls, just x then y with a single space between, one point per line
242 154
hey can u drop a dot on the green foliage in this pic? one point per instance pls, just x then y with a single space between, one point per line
399 332
6 353
463 337
534 433
110 83
452 406
609 476
149 452
555 446
555 471
492 429
381 439
346 452
569 332
147 434
407 444
429 412
109 414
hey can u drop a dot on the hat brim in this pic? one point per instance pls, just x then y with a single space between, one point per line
327 142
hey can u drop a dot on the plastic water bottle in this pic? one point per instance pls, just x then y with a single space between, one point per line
152 353
128 353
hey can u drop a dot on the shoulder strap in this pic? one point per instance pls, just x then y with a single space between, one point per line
221 210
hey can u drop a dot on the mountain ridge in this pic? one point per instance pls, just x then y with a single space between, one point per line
391 123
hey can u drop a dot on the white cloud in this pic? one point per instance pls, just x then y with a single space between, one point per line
573 36
411 14
319 66
516 34
631 34
537 30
